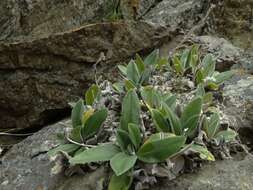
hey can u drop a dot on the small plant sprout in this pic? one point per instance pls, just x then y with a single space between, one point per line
213 131
86 122
138 71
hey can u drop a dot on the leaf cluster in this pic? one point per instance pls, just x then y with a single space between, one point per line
175 132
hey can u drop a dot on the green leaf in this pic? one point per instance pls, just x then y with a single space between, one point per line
145 76
161 62
122 182
68 148
212 125
93 123
77 113
129 85
123 69
208 98
160 121
226 135
76 134
122 162
152 58
133 73
194 57
97 154
139 63
118 87
190 116
212 86
208 65
151 96
170 100
160 147
92 94
175 124
185 59
134 134
200 90
221 77
177 64
199 78
203 152
123 139
130 110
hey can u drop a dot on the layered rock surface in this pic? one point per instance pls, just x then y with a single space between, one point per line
39 77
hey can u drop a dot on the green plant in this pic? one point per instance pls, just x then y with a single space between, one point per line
129 148
114 12
187 60
211 126
86 122
178 132
167 120
154 98
138 71
203 71
207 75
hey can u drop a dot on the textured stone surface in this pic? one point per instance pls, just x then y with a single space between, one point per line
39 77
176 13
238 94
233 19
221 175
21 18
27 166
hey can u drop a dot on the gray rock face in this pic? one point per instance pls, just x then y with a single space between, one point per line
38 17
27 166
40 76
221 175
238 94
179 13
233 19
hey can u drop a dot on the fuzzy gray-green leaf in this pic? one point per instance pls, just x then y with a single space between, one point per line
77 113
94 122
190 115
122 162
157 150
134 134
133 73
130 110
92 94
97 154
122 182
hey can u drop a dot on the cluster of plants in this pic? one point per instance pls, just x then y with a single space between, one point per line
170 133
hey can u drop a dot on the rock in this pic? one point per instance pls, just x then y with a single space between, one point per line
40 76
227 53
176 13
220 175
238 100
233 19
21 18
27 167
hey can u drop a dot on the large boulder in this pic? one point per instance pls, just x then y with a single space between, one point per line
40 76
238 106
177 13
20 18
